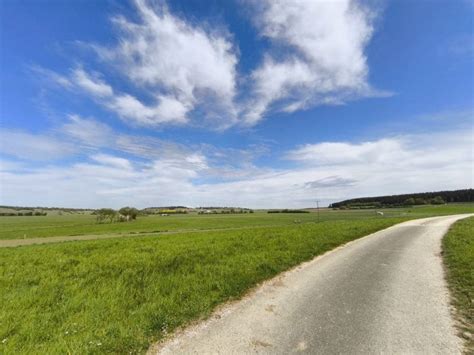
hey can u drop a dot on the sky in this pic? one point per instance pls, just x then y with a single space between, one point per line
250 103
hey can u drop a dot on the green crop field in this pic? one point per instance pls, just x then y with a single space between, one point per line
85 224
120 295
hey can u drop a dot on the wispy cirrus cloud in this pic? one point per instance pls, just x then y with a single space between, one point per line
88 131
129 108
40 147
330 182
89 139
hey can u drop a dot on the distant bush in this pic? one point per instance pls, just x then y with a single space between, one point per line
438 200
420 201
409 201
106 214
128 214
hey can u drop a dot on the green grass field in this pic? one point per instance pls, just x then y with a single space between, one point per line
79 224
458 254
119 295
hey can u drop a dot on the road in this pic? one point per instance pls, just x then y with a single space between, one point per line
384 293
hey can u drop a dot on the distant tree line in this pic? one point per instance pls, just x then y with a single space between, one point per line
166 208
171 211
224 210
436 198
287 211
29 213
19 208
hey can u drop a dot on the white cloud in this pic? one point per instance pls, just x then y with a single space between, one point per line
30 146
333 153
109 160
176 65
165 50
94 86
181 72
183 64
87 131
322 61
167 110
389 165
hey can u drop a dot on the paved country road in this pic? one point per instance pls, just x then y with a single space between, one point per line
384 293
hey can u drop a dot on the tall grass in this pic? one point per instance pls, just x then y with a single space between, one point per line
458 254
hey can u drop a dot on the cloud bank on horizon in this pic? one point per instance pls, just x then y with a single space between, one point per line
163 71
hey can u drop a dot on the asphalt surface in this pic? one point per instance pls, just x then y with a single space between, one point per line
384 293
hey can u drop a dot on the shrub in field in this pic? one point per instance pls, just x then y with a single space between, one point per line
438 200
128 213
420 201
106 214
409 201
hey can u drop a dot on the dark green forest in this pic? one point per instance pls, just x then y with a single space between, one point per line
424 198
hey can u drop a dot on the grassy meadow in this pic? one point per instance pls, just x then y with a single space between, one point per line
458 254
85 224
120 295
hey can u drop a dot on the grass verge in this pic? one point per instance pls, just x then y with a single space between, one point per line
458 254
119 296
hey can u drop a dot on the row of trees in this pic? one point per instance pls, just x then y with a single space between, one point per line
438 200
287 211
30 213
125 214
225 211
466 195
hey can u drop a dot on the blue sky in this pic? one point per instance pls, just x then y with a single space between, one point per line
237 103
